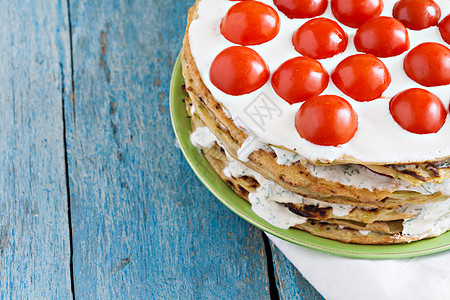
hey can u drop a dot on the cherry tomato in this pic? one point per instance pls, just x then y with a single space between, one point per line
326 120
301 8
299 79
428 64
444 29
418 111
362 77
354 13
238 70
320 38
250 23
417 14
382 37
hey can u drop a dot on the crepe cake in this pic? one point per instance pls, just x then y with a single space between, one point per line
321 116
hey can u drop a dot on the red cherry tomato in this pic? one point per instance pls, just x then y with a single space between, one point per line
428 64
301 8
362 77
418 111
250 23
238 70
299 79
320 38
417 14
382 37
326 120
444 29
354 13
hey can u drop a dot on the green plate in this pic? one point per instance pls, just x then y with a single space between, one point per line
212 181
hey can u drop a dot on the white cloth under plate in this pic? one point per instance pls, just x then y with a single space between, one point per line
339 278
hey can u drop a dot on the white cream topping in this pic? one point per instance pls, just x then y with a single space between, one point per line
270 119
286 157
202 137
357 176
432 219
263 201
339 210
361 177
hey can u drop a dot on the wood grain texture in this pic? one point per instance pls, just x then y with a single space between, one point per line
35 69
143 224
290 282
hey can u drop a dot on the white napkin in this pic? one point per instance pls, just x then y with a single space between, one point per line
337 278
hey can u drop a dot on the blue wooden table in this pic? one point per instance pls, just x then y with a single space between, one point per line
96 200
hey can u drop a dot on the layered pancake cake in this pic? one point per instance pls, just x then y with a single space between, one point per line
327 116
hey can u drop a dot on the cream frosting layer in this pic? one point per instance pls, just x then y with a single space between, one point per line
268 118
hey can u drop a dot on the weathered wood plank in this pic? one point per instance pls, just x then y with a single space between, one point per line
291 284
143 225
35 69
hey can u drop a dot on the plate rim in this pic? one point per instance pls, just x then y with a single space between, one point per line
362 251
